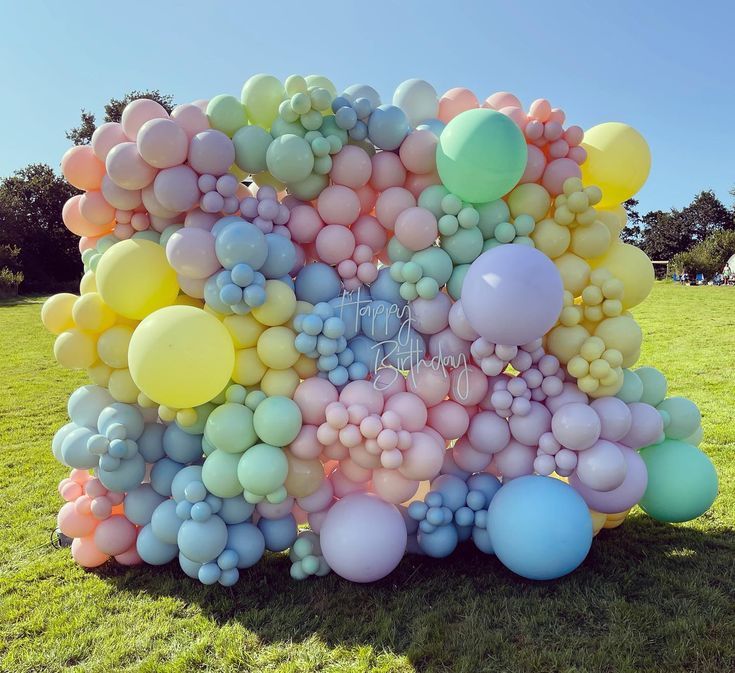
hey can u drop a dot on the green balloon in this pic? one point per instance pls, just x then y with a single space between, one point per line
481 155
310 188
683 414
465 246
168 232
289 158
431 199
632 387
230 428
435 262
226 114
261 96
281 128
220 474
330 128
251 145
454 284
682 481
397 252
277 420
262 469
202 412
654 386
491 215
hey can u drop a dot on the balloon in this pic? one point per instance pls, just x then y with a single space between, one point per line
540 528
211 152
618 161
277 420
289 158
137 113
388 126
481 155
363 538
631 266
56 312
181 356
227 114
418 99
191 253
162 143
684 416
251 148
261 96
127 169
82 168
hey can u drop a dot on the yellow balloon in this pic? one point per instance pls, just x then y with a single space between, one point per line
551 238
75 349
609 391
575 272
276 348
632 267
323 82
261 96
135 279
56 312
112 346
279 306
90 313
304 476
615 218
244 330
88 283
186 300
280 382
181 356
265 178
122 387
598 521
529 199
618 161
565 342
621 333
305 367
614 520
591 241
248 369
100 373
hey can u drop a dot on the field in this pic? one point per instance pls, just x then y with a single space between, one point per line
650 596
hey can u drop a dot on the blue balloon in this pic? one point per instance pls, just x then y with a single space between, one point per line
74 449
367 352
182 479
433 125
439 543
220 224
150 443
140 503
357 91
388 126
211 295
481 538
209 573
486 484
191 568
235 510
125 477
280 533
464 533
241 242
181 446
317 282
248 542
126 415
385 288
381 320
347 306
152 550
406 349
281 256
539 527
202 541
163 474
165 522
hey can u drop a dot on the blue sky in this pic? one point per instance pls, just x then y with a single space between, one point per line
667 68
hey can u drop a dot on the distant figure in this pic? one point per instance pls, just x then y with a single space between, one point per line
684 278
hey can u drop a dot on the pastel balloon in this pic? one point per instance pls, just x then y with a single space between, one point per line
416 228
82 168
162 143
211 152
418 99
454 102
85 552
105 137
351 167
122 199
576 426
191 118
137 113
418 152
602 467
127 169
646 426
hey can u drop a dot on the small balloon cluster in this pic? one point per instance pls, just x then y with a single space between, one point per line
404 324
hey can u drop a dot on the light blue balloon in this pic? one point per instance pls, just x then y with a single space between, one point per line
281 256
181 446
165 522
248 542
280 533
127 476
440 543
481 538
406 349
86 403
163 474
228 578
152 550
388 126
347 306
464 533
241 242
140 503
355 91
453 490
220 224
202 541
433 125
209 573
386 289
367 352
124 414
59 437
484 483
381 320
182 479
74 451
212 295
317 282
539 527
150 443
191 568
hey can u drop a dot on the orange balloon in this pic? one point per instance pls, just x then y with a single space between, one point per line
78 224
82 168
454 102
95 209
304 476
86 554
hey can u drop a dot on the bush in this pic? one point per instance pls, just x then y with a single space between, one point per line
707 257
9 282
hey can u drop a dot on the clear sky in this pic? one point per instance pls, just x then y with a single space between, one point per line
665 67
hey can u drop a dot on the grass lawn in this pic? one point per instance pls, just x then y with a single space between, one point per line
650 596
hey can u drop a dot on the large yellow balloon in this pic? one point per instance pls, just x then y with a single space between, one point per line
181 356
618 161
134 278
276 348
90 313
56 312
279 306
261 96
244 330
75 349
632 267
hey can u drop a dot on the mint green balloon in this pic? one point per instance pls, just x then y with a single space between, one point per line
454 284
682 481
683 414
435 262
251 145
397 252
632 387
277 420
310 188
289 158
167 233
654 386
281 128
226 114
481 155
491 215
465 246
230 428
262 469
220 474
431 199
330 128
202 412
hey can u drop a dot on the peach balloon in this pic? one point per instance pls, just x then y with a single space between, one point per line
137 113
517 115
95 209
423 459
129 557
468 385
76 223
450 419
416 228
367 231
389 381
351 167
191 118
82 168
391 203
335 243
557 172
304 224
88 242
454 102
388 171
338 204
312 397
85 552
73 523
117 197
126 167
392 486
417 183
501 99
535 165
363 393
306 445
105 137
410 408
367 196
418 151
431 384
114 535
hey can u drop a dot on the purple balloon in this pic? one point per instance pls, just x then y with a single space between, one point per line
602 467
176 188
646 428
153 205
190 251
512 294
211 152
624 496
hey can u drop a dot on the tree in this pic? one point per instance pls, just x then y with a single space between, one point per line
664 235
633 232
705 215
707 257
30 218
82 134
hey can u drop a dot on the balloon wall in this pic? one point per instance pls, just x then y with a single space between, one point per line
406 324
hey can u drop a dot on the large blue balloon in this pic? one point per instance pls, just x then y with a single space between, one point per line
181 446
280 533
388 126
281 256
152 550
539 527
241 243
317 282
140 504
248 541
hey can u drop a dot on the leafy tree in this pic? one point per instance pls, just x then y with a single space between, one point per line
633 232
705 215
30 218
663 234
708 256
82 134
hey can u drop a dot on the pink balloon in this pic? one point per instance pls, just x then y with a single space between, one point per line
535 165
430 383
116 196
304 224
467 458
430 316
319 500
74 524
198 219
211 152
194 287
351 167
602 467
153 205
416 228
454 102
137 113
126 167
114 535
459 324
190 252
191 118
576 426
646 426
335 243
574 135
416 183
306 445
577 154
389 382
518 116
105 137
569 394
391 203
129 557
140 221
343 486
368 231
392 486
615 418
123 231
85 552
501 99
488 432
356 472
418 152
363 393
95 209
367 196
388 171
312 397
176 188
449 419
338 204
558 149
423 460
540 109
556 172
468 385
410 408
160 224
162 143
515 460
527 429
88 243
449 348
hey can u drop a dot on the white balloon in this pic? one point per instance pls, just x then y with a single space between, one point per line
418 99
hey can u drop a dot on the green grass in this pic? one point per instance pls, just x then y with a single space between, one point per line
649 597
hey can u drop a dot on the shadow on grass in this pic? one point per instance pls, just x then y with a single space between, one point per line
22 300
